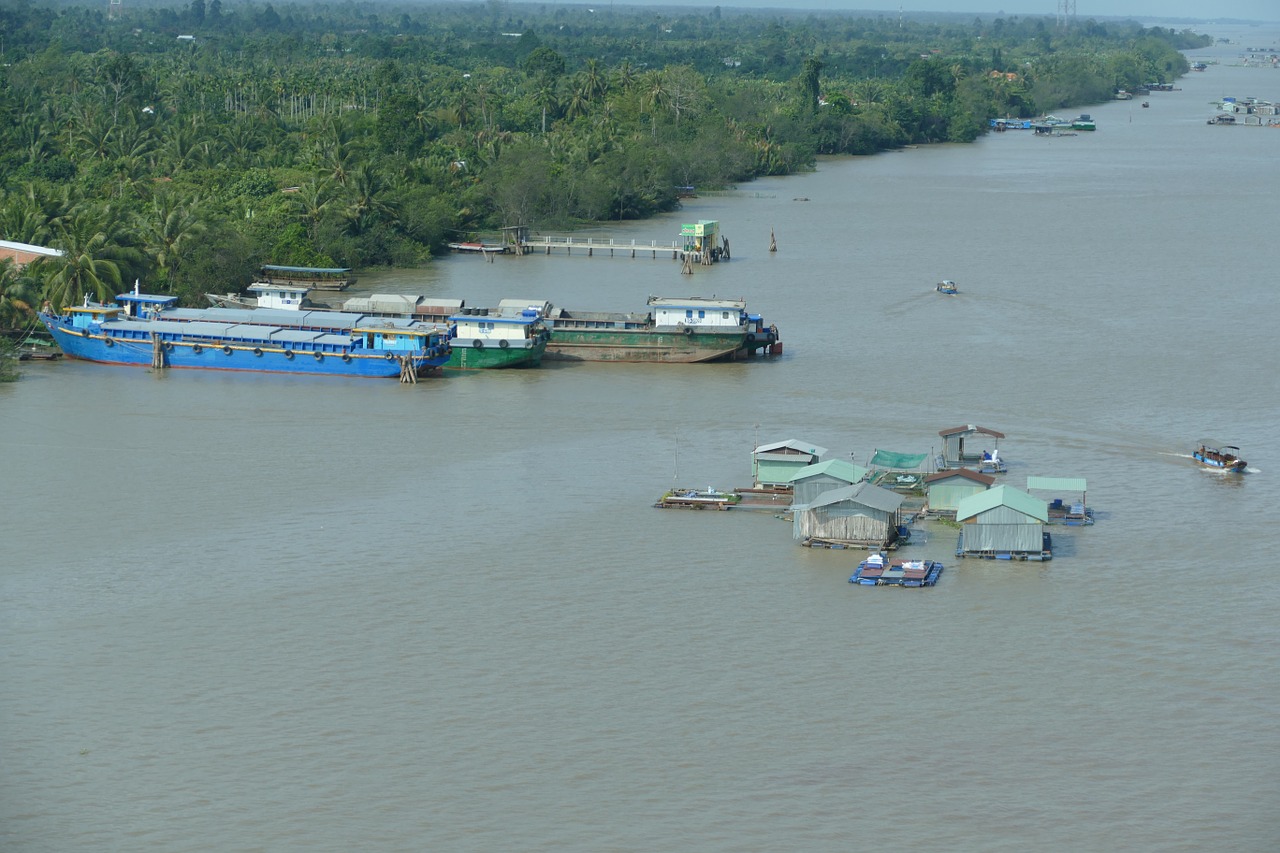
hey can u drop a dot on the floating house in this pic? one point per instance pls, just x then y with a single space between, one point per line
1003 523
772 465
812 480
701 239
971 446
1068 510
861 515
946 489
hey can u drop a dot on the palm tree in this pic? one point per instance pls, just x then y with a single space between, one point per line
592 80
578 104
311 202
23 217
168 229
544 94
653 95
18 295
85 268
366 201
624 77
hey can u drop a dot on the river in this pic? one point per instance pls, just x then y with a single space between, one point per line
278 613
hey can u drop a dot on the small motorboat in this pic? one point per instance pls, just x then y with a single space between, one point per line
948 287
1222 457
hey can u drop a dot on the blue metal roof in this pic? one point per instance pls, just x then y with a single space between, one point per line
146 298
299 336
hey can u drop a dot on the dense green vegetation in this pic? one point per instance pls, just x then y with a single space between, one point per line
186 146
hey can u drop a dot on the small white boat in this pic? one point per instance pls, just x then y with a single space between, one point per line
948 287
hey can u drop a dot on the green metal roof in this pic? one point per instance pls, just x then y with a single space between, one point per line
834 467
1002 496
1057 484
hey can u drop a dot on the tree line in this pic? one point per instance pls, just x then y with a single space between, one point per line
187 146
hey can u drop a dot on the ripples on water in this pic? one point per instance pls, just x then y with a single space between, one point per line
280 613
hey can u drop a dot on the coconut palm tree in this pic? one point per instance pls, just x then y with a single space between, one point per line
169 228
23 217
310 203
86 267
366 201
19 295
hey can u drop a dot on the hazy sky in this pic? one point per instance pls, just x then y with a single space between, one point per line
1256 10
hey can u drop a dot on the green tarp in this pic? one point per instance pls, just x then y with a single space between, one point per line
899 461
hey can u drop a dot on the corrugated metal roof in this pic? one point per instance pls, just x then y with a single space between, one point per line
469 319
515 306
401 324
861 493
832 467
28 247
1002 496
970 428
961 472
702 302
792 444
205 330
1057 484
296 336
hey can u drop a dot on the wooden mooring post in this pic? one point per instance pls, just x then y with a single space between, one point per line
158 359
408 373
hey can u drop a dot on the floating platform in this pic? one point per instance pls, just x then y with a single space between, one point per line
879 571
770 499
695 499
1072 515
484 248
841 544
1043 555
38 355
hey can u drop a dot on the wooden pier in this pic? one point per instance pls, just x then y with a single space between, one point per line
590 245
517 240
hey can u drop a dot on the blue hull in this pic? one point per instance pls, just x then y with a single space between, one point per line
1236 465
204 356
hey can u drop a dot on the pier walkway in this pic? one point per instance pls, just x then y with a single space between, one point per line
591 245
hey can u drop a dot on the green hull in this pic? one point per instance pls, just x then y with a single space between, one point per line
466 357
643 345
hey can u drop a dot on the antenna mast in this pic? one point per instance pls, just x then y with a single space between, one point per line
1066 13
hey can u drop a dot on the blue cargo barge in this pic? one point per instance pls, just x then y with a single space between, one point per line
147 330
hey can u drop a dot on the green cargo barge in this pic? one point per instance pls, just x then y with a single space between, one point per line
676 330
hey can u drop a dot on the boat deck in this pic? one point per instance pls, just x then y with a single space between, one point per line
694 499
768 499
913 573
840 544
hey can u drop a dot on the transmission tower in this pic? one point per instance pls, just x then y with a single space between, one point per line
114 8
1066 12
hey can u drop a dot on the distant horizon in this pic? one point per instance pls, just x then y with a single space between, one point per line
1261 11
